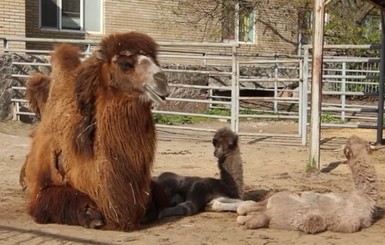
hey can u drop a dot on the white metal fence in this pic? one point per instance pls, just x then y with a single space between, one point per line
213 82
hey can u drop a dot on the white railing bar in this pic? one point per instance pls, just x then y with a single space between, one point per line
347 71
268 116
201 57
268 134
280 99
346 46
50 40
19 100
269 80
19 75
248 62
350 82
224 73
28 51
30 64
349 109
199 101
25 113
191 114
351 76
348 125
198 86
18 88
349 105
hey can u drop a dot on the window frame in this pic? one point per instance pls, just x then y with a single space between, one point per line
238 22
235 22
82 19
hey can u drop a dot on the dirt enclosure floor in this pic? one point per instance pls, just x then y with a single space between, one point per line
267 168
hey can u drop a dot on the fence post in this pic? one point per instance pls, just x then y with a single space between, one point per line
380 120
5 45
303 92
275 84
234 91
343 90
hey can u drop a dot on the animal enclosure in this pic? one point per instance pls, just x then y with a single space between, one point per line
215 82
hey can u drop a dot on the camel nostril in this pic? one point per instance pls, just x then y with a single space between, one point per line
161 84
160 76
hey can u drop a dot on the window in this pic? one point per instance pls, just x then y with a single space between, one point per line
242 23
75 15
246 23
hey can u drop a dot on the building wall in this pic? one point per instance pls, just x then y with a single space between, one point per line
277 28
12 19
276 24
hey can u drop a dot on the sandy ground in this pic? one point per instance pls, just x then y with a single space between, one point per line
267 168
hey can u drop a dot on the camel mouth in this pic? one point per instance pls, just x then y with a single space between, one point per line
154 96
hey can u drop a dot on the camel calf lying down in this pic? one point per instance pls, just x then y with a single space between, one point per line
315 212
190 194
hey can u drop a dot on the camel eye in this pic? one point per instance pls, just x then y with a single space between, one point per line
125 65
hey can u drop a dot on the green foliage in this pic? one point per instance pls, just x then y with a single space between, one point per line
218 111
348 22
311 166
328 117
172 119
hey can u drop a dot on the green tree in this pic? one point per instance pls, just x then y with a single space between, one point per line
352 22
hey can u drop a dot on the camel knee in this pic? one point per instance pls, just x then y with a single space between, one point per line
256 221
249 206
345 227
313 223
242 219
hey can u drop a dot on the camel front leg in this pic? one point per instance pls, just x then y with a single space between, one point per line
65 205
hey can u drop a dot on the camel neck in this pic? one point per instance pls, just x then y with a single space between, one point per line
231 172
365 178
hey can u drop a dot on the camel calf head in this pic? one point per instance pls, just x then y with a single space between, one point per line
132 65
356 147
224 142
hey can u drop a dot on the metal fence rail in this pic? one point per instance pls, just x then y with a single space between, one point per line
240 91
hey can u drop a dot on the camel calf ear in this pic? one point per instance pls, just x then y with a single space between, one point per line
348 152
369 148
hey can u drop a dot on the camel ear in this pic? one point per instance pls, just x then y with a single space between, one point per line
100 55
369 148
348 152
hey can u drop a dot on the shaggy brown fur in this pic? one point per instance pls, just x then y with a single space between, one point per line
98 117
312 212
190 194
37 92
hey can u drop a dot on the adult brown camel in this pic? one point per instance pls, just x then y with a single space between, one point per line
98 132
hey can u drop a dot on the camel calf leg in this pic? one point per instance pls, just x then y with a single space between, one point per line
255 221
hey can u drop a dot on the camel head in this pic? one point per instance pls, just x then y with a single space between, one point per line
131 61
356 147
224 142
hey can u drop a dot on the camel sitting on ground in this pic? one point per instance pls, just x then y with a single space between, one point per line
92 153
312 212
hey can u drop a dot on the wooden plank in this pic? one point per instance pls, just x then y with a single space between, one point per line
316 86
380 120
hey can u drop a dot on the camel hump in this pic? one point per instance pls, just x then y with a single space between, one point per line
66 57
37 92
